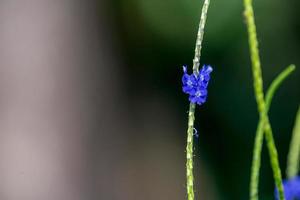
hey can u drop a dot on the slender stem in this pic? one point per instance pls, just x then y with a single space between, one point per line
256 66
191 117
259 95
200 34
294 153
274 158
256 160
189 154
276 83
260 130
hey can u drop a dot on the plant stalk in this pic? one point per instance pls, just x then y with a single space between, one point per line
191 115
294 152
262 109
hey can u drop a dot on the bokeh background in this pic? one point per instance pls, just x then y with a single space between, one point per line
92 108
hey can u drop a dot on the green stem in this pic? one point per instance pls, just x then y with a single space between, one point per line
189 154
256 66
276 83
259 95
294 153
274 158
256 160
260 130
200 34
191 117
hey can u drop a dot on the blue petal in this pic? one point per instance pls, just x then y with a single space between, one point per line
206 69
196 84
193 98
197 99
185 78
291 189
189 79
204 76
184 67
201 101
187 89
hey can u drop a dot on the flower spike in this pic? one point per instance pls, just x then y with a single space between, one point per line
195 85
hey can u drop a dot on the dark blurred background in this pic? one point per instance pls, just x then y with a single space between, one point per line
91 102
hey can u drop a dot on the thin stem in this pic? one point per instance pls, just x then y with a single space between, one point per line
191 117
264 125
189 154
274 158
294 153
200 34
256 160
260 130
259 95
256 66
276 83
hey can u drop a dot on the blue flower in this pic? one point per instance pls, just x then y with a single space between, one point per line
291 189
189 81
195 85
204 75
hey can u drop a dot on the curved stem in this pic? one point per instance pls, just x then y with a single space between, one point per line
260 130
259 95
276 83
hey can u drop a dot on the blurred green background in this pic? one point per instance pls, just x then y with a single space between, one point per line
91 101
157 37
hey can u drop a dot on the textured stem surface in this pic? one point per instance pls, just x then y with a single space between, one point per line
274 158
200 34
294 153
191 117
189 154
259 95
256 161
